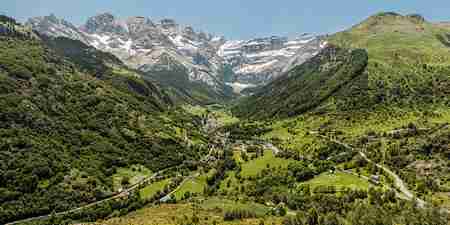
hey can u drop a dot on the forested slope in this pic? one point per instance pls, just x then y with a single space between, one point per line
70 118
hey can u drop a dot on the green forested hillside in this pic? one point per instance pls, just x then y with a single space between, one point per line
86 57
408 66
399 120
175 79
67 123
107 67
409 58
334 73
180 90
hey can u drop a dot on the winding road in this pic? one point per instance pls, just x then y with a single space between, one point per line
121 194
169 195
398 182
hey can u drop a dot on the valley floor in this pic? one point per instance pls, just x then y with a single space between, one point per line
293 171
258 159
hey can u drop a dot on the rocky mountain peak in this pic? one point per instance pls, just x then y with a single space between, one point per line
140 20
48 20
56 27
168 24
145 45
189 31
139 24
105 23
417 17
52 18
260 60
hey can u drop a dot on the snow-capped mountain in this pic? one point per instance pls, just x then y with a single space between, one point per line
145 45
260 60
155 46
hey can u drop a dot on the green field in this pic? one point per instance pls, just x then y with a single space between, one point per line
135 173
297 133
442 198
339 180
224 204
175 214
195 110
253 167
225 118
192 185
152 189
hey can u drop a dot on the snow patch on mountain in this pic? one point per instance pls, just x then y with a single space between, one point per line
153 46
238 87
260 60
255 68
140 43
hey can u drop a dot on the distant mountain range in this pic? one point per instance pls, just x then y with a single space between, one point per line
165 45
258 61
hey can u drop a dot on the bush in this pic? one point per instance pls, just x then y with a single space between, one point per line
21 73
125 181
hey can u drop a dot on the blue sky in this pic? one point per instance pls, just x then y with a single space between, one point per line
235 19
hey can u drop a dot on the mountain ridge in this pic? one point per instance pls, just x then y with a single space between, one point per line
408 66
153 49
137 41
140 43
258 61
325 76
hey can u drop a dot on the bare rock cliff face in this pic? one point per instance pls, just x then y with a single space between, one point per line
141 43
155 46
259 61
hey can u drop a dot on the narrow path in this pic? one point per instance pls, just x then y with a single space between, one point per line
398 182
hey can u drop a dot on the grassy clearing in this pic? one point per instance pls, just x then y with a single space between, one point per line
124 72
135 173
224 204
253 167
152 189
174 214
339 180
193 185
195 110
442 198
293 132
225 117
